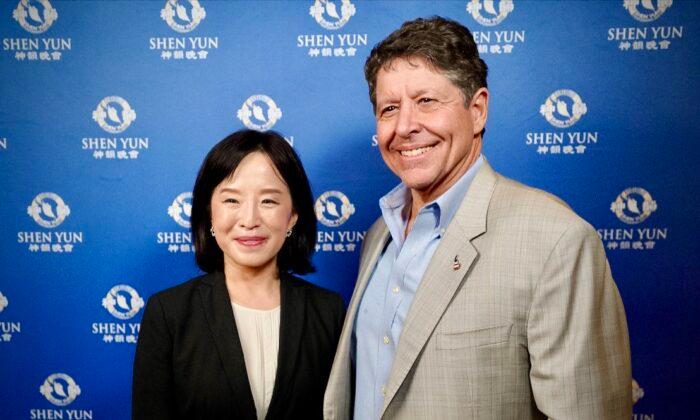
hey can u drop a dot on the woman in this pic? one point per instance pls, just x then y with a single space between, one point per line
247 340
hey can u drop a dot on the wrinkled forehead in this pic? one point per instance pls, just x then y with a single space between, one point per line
413 73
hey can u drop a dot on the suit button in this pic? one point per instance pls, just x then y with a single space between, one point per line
386 339
383 391
395 289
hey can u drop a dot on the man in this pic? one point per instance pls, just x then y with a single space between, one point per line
477 297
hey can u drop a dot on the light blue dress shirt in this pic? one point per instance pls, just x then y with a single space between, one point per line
393 284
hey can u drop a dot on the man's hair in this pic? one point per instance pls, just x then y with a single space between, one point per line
220 164
444 44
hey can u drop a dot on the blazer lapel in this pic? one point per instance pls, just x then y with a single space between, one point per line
219 315
292 313
338 398
448 268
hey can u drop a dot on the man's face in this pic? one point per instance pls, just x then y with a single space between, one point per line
426 133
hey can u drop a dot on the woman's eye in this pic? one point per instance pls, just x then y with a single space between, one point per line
231 200
269 201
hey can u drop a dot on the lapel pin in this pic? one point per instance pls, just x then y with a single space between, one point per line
456 264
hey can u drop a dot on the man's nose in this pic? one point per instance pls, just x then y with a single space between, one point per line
407 122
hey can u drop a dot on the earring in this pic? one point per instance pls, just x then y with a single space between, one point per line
289 232
211 230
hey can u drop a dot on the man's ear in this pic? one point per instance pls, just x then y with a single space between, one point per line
479 109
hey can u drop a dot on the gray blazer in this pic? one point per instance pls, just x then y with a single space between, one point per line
530 325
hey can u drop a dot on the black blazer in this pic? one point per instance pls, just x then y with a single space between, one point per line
189 361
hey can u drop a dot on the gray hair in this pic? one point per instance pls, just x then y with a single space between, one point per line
445 44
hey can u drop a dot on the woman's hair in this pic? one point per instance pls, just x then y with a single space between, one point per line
219 164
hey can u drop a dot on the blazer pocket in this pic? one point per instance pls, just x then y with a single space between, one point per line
474 338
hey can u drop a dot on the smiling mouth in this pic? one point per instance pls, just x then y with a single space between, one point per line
416 152
251 241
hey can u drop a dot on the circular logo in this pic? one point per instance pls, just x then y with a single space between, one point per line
489 17
3 302
48 210
259 112
627 205
644 10
60 389
35 16
181 209
326 13
637 392
182 16
114 114
563 108
333 208
122 301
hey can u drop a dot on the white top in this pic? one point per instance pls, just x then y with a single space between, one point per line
259 332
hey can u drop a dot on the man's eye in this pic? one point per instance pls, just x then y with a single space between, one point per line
389 108
425 100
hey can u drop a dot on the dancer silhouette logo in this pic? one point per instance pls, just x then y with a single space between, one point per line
490 12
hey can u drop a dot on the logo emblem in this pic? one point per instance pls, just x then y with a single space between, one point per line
48 210
35 16
627 205
563 108
490 16
60 389
326 13
644 10
182 16
333 208
637 392
3 302
122 301
113 114
259 112
181 209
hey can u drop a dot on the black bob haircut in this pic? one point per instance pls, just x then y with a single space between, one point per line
219 164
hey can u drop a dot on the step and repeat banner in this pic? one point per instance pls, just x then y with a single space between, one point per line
107 109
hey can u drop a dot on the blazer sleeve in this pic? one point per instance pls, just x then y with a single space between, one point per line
152 391
577 333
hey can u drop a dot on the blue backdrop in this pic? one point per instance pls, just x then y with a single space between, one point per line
108 107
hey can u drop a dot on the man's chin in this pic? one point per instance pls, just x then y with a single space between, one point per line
417 185
415 177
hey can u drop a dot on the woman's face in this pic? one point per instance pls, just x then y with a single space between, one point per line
251 212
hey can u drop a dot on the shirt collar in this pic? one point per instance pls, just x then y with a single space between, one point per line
450 200
395 203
